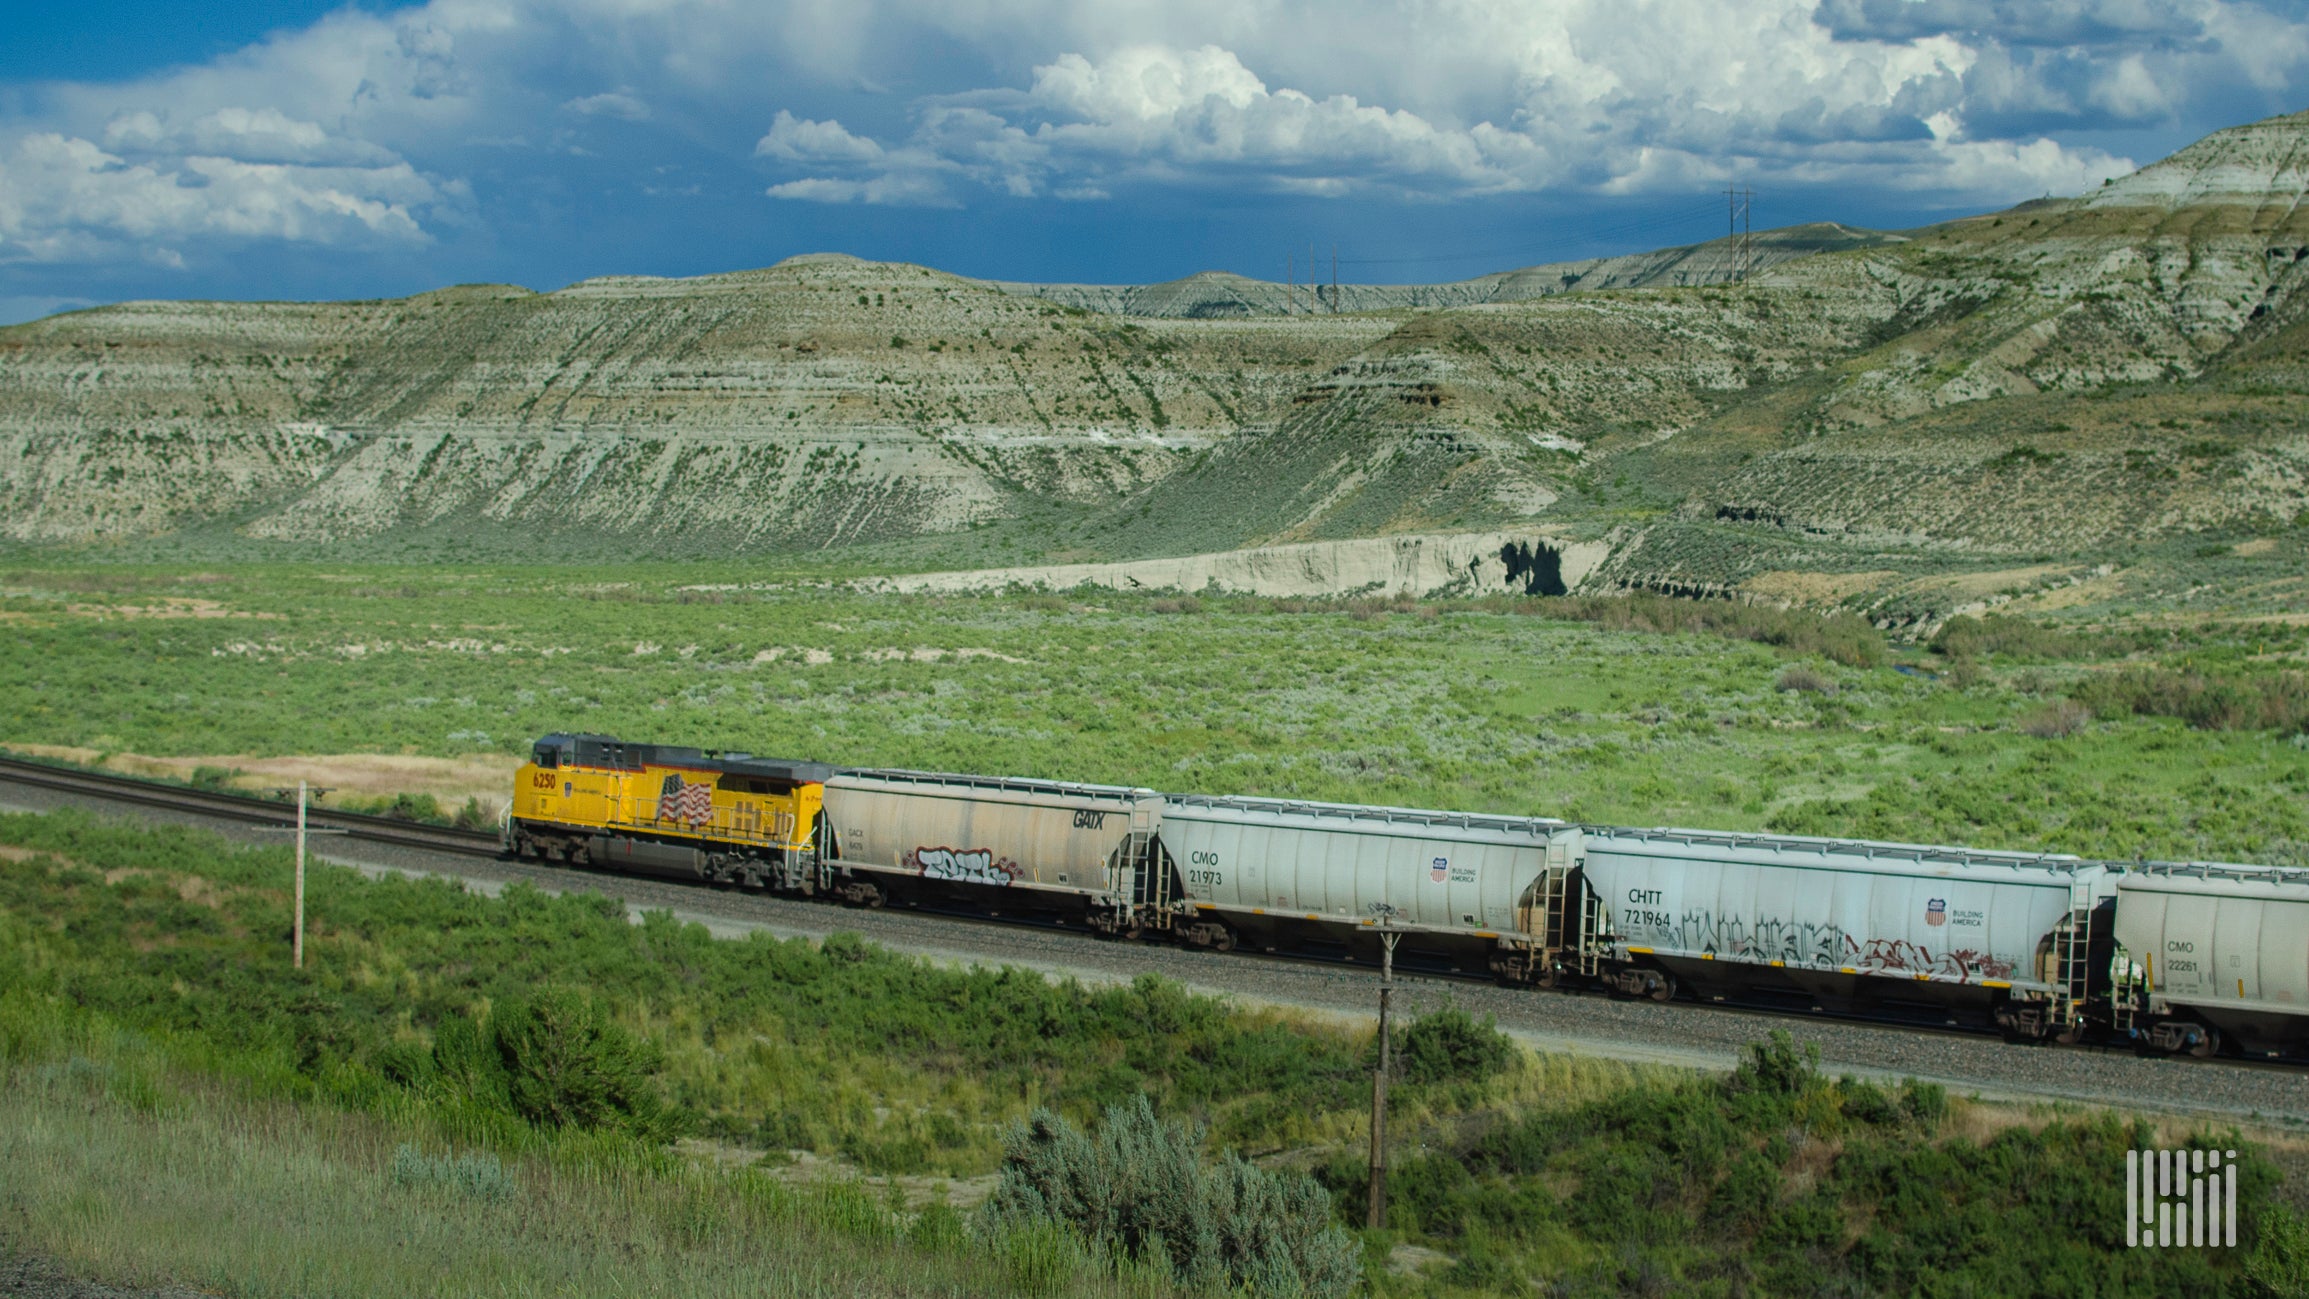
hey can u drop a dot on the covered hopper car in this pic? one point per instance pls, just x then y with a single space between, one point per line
2207 950
2007 938
1048 846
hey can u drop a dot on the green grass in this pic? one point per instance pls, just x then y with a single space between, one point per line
1490 706
187 1184
176 1104
1780 1181
414 988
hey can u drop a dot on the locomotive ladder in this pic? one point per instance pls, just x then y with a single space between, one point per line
2076 957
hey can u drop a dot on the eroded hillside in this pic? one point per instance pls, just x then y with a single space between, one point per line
2035 387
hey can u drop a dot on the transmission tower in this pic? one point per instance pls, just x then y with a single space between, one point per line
1737 205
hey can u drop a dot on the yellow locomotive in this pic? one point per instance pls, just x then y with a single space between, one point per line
663 810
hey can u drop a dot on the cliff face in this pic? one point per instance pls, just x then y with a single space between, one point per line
816 403
2065 376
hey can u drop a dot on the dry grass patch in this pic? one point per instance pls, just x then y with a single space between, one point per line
1801 588
450 781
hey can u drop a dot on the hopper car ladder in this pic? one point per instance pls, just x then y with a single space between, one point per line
1556 884
2125 986
1149 897
1590 920
2074 981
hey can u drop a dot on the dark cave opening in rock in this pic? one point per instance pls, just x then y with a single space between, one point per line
1537 565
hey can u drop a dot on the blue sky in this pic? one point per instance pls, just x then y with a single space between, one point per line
275 148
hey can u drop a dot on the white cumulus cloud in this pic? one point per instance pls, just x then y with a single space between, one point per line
63 198
800 140
363 129
622 104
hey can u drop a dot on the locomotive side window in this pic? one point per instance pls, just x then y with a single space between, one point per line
547 756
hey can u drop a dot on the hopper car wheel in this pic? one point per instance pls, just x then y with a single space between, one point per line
1664 990
2071 1035
2206 1046
1211 934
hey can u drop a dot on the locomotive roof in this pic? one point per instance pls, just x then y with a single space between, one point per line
590 750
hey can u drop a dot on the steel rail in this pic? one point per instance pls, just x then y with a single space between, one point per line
480 843
250 808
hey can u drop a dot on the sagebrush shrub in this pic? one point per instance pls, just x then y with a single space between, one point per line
2207 701
2057 720
1140 1186
1449 1045
567 1065
1837 637
1801 678
477 1176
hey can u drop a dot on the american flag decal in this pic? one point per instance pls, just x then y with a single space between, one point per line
681 801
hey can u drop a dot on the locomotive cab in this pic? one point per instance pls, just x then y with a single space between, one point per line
667 810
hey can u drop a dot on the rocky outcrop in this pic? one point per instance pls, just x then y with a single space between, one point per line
1525 562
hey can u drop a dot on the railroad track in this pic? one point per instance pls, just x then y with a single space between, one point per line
483 844
250 808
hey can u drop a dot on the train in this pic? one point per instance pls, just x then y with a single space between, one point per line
2172 957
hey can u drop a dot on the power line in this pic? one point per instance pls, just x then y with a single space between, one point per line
1657 221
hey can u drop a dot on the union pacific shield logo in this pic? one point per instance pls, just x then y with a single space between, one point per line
1936 911
1439 870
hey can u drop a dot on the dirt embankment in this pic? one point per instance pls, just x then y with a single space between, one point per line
347 776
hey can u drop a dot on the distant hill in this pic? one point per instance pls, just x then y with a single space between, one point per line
1893 422
1214 294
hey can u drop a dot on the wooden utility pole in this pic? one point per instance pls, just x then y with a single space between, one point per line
1378 1191
305 792
297 943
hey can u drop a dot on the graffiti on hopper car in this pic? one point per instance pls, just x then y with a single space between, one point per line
1805 945
964 865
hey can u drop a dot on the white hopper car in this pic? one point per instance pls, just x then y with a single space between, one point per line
1454 884
2207 950
1985 935
1049 846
